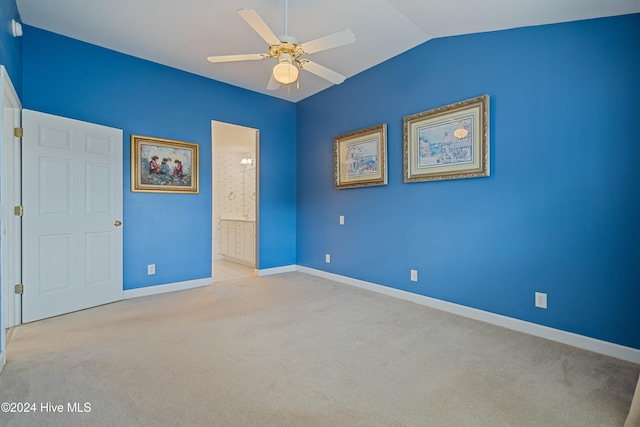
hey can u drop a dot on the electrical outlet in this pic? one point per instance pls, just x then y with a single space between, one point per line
341 219
151 269
327 258
541 300
414 275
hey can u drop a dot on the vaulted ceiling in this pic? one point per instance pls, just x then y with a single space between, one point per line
183 33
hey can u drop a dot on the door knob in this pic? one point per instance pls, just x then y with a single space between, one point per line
117 223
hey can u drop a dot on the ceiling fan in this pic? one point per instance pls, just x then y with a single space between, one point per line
289 51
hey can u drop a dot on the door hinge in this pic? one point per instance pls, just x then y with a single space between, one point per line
18 132
18 210
19 289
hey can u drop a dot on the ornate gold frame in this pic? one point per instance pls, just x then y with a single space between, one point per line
167 177
360 157
433 153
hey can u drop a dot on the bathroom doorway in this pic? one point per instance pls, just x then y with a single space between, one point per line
234 201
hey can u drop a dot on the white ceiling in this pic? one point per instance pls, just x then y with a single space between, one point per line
182 33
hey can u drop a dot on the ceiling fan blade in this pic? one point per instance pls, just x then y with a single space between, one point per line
232 58
273 83
253 19
322 71
328 42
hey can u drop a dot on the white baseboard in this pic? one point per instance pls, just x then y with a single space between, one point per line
598 346
277 270
170 287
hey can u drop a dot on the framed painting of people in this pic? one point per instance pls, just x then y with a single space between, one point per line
449 142
163 165
360 157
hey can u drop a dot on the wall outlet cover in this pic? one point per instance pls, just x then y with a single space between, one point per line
541 300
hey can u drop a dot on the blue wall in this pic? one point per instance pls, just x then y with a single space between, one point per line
10 47
560 212
69 78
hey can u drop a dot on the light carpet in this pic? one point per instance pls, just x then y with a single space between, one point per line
297 350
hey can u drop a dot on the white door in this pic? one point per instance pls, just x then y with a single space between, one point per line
72 198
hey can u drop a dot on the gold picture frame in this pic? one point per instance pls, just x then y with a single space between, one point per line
450 142
163 165
360 157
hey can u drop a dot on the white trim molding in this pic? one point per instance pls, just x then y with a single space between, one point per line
277 270
597 346
169 287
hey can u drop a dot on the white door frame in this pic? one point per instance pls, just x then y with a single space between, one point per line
10 184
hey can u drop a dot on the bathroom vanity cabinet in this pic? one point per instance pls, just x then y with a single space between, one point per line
237 241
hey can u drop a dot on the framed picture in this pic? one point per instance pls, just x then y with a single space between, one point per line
360 157
163 166
450 142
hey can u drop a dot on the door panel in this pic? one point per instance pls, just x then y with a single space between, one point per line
54 188
55 256
99 250
99 192
72 197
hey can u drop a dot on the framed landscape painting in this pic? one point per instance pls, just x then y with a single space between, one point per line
163 166
449 142
360 158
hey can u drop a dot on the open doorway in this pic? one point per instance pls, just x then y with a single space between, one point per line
234 201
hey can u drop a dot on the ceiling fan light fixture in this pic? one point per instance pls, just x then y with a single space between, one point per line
285 72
